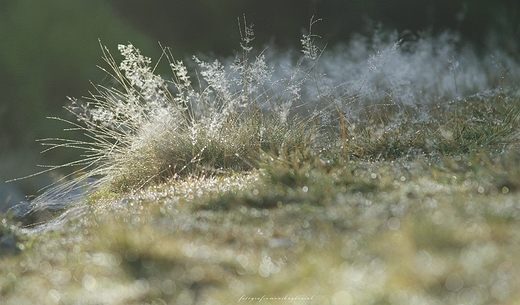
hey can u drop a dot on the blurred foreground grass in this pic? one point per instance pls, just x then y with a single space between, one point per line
401 215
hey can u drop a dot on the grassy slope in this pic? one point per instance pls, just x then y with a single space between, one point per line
421 229
397 210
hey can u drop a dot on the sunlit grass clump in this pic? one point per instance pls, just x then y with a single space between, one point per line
376 97
145 129
381 172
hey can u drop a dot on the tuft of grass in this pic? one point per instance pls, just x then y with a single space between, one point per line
145 129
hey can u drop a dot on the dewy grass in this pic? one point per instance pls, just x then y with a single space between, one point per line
463 126
429 229
142 132
145 128
378 173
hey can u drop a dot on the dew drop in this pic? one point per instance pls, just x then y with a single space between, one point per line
89 282
393 223
454 282
53 297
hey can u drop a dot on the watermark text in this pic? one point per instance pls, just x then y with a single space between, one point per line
267 298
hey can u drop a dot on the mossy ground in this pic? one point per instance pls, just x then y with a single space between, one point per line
391 216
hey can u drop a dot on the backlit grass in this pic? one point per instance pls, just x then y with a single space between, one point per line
242 194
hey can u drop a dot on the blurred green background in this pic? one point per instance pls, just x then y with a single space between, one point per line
49 50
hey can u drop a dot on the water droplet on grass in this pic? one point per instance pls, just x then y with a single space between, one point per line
131 255
501 290
89 282
53 297
454 282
